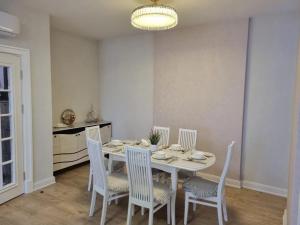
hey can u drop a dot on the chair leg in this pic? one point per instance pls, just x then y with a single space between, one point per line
104 209
163 178
194 207
186 209
169 212
116 201
150 216
142 211
225 209
173 209
129 214
220 216
90 179
157 178
110 165
133 210
93 203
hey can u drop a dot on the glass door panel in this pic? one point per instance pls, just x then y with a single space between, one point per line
11 139
6 150
4 78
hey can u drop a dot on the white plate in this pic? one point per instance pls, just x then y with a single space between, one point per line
129 142
159 157
198 156
116 143
207 154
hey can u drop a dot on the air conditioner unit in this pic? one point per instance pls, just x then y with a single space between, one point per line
9 25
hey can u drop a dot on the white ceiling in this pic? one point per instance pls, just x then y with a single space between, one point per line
106 18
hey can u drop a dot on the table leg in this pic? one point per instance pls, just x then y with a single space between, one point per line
174 178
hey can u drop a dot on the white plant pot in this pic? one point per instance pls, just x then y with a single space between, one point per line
153 148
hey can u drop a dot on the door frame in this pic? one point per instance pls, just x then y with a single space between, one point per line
24 55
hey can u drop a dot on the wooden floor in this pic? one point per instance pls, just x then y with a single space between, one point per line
67 203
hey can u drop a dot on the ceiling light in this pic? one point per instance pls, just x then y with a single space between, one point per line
154 17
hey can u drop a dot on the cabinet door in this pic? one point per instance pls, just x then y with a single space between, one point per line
81 141
105 134
68 143
56 144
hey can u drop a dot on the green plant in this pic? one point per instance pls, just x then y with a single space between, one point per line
154 137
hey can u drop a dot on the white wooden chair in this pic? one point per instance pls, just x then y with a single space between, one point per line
93 133
187 138
142 191
164 135
111 187
200 191
164 141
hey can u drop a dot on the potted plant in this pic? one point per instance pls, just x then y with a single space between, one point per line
154 138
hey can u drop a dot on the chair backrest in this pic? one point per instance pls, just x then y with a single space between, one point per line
93 133
226 167
97 164
187 138
164 135
138 162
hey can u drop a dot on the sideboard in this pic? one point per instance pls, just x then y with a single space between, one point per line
69 143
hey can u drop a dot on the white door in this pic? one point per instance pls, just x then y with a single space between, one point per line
11 147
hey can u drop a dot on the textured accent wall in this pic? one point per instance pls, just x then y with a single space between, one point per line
199 78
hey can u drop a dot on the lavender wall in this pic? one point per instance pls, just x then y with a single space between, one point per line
199 78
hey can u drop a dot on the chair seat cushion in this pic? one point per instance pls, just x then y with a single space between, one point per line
200 187
161 193
117 182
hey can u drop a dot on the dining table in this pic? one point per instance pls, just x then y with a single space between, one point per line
177 160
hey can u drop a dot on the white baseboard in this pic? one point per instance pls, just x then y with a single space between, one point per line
284 218
44 183
229 181
247 184
265 188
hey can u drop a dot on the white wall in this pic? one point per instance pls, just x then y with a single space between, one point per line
35 35
126 84
75 79
270 80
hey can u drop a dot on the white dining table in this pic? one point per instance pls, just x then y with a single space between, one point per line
180 160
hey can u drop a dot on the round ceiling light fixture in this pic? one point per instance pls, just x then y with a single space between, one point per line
154 17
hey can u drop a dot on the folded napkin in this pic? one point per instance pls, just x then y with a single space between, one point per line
145 143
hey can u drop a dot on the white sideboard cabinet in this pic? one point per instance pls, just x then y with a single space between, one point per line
69 144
